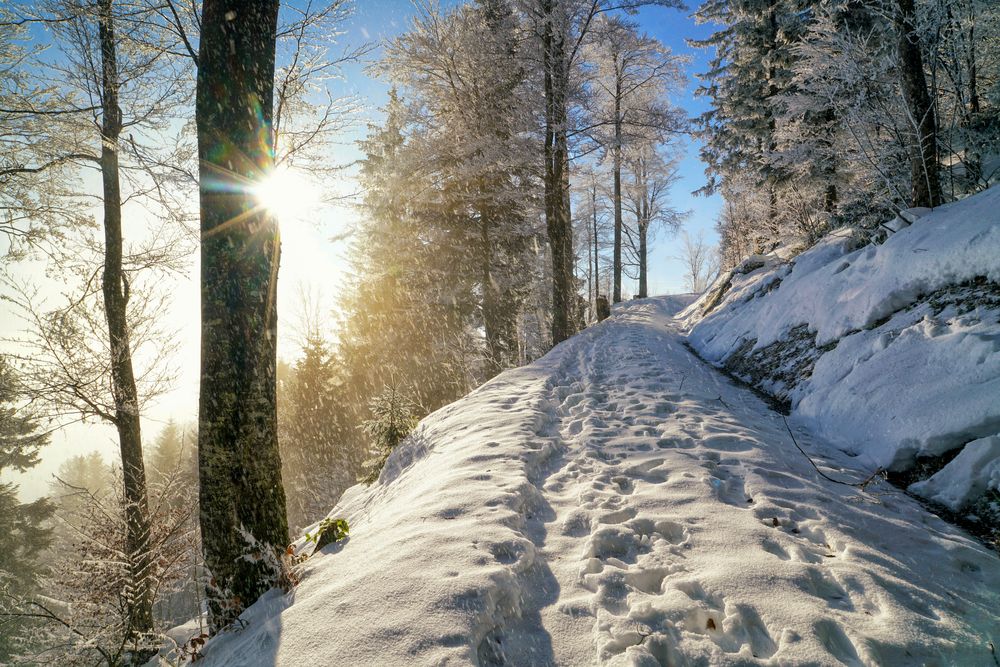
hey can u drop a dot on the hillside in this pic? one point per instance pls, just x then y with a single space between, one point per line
621 502
890 351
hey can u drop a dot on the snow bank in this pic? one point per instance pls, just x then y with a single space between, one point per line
974 470
891 351
619 502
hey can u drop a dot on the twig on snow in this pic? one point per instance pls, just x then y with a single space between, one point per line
859 485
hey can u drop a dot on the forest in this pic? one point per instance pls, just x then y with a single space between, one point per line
476 191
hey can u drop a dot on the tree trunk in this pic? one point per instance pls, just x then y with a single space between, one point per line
139 597
643 287
924 171
498 308
558 226
597 267
242 499
643 225
973 159
617 195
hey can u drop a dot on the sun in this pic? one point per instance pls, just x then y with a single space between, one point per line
289 195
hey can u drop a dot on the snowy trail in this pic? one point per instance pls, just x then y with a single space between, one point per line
620 502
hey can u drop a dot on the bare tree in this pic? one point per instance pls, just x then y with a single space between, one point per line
103 86
634 73
647 197
700 260
84 618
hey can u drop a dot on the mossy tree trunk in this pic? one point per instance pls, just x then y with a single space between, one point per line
239 463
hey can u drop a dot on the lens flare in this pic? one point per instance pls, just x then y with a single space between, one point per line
288 195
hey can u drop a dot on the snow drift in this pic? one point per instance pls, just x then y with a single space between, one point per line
890 351
620 502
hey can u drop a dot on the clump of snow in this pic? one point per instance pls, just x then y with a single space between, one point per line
620 502
975 469
909 358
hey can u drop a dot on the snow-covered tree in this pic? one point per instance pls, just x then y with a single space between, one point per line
24 533
632 77
700 262
647 195
391 420
469 137
319 459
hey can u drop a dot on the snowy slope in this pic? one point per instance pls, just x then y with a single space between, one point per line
620 502
905 338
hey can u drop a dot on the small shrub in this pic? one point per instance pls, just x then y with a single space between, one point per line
328 532
392 420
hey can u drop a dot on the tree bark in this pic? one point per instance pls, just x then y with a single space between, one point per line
597 267
924 169
114 286
499 308
241 492
643 283
643 225
557 219
617 195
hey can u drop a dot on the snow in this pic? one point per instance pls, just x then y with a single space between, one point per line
955 243
907 377
620 502
976 468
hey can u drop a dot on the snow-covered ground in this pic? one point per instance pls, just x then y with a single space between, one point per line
621 502
906 342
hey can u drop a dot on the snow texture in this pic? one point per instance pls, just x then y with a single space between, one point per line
620 502
908 347
976 468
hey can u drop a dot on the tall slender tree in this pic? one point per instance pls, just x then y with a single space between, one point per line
925 179
633 75
562 28
242 498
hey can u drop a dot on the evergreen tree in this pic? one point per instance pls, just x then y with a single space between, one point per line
411 309
391 421
171 450
318 460
470 138
23 530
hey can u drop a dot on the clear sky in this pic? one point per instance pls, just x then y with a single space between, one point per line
311 260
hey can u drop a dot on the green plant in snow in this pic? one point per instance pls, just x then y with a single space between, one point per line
328 532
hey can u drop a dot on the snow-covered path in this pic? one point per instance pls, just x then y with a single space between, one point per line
621 502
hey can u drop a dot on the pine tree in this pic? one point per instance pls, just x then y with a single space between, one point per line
410 312
462 71
23 530
748 74
391 421
318 460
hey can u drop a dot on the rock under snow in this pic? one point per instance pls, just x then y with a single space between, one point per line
890 351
